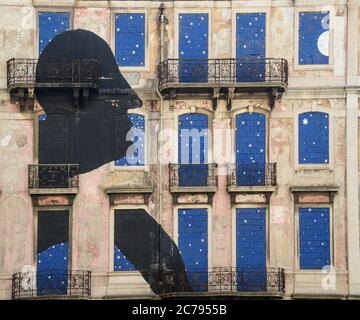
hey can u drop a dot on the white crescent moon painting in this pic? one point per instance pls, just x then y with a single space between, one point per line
323 43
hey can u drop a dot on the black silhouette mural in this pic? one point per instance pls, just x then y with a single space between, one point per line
86 123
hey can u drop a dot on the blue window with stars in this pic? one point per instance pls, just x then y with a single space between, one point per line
314 238
193 246
130 39
251 249
314 38
193 149
313 138
50 25
250 149
250 45
193 47
52 252
135 155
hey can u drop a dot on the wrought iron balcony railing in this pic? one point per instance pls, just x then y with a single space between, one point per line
50 176
66 73
263 280
193 175
262 174
217 71
51 283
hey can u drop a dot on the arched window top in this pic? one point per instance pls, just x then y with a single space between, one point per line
314 138
193 121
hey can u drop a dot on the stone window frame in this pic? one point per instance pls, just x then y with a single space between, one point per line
176 114
53 10
188 10
111 237
314 166
313 67
175 236
35 231
146 12
147 157
330 206
259 9
233 229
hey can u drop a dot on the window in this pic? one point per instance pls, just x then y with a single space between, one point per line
130 39
193 44
52 252
251 249
50 25
193 149
250 149
313 138
314 38
314 237
250 43
135 155
193 245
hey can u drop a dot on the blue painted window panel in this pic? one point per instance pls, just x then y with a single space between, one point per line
313 38
121 263
136 158
250 43
314 238
130 39
52 263
192 149
251 249
250 149
193 246
50 25
313 138
193 44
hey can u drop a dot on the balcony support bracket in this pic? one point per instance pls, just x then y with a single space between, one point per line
215 98
230 96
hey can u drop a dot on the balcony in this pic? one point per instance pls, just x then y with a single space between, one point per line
223 78
251 178
23 75
193 179
53 178
226 282
51 284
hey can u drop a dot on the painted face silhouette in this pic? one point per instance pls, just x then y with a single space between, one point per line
88 124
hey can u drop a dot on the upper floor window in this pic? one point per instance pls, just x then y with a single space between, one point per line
135 155
314 238
314 38
50 25
130 39
313 137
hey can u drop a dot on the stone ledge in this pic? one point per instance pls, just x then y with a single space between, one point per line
204 189
52 191
127 190
310 189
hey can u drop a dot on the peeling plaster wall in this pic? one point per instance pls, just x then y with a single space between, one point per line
309 89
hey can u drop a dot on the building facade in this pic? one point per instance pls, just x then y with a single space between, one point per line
245 161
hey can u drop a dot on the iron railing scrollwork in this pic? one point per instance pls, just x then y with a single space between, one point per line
49 176
65 283
263 174
218 71
225 279
188 175
75 72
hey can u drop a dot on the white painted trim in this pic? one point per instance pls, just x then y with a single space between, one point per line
314 67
